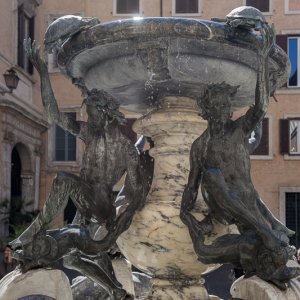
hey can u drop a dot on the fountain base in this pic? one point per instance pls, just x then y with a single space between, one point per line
178 290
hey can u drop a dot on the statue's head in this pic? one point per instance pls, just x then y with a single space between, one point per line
215 103
101 106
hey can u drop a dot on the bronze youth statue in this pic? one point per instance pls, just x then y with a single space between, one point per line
220 163
108 155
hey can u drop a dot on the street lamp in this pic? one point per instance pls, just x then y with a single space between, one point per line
11 80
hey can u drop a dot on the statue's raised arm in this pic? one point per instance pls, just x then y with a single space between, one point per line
48 98
255 114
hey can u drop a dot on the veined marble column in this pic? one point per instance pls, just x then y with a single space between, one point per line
157 242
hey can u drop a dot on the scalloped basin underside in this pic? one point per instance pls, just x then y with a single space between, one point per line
136 61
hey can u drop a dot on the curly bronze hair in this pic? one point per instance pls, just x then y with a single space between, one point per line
211 94
102 100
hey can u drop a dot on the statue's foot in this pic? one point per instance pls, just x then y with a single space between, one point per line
288 273
15 244
26 237
26 262
33 254
280 227
281 277
279 284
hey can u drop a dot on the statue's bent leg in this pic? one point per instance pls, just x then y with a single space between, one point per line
96 273
78 237
64 185
228 202
51 245
224 249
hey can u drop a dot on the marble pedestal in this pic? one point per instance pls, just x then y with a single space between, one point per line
157 242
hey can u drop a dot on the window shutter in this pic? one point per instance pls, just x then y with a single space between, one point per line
21 34
281 41
127 130
71 147
31 35
60 137
263 147
284 136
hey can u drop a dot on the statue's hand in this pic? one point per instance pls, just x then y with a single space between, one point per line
268 39
188 199
33 53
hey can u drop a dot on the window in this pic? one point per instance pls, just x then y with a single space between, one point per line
25 30
293 52
292 216
290 136
262 5
127 129
127 7
187 7
263 149
292 6
65 143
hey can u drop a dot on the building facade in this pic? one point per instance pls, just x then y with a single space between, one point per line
21 115
33 150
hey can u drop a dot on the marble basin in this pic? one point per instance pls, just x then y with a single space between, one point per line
140 61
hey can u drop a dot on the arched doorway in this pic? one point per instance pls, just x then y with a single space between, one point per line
21 190
16 171
15 190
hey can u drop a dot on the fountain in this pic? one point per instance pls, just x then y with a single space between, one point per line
161 68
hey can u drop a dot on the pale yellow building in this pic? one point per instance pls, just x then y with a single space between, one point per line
33 150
